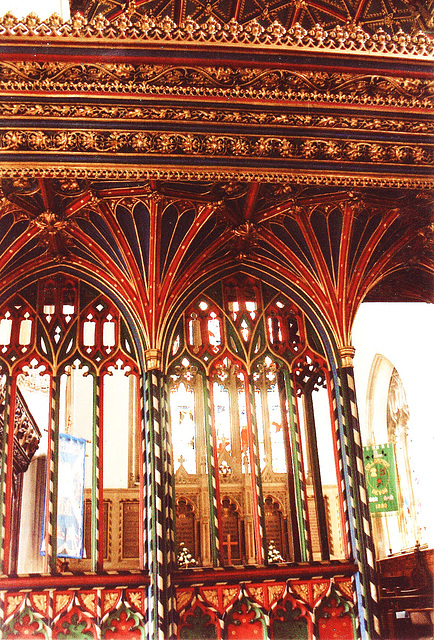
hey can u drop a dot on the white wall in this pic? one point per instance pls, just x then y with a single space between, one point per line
403 333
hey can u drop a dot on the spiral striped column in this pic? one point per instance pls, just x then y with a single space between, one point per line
363 531
2 608
299 478
169 513
4 462
157 627
348 500
213 481
144 479
354 496
52 477
345 476
97 489
258 499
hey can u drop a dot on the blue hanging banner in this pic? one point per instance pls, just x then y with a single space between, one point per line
70 497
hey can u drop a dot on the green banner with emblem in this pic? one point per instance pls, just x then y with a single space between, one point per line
380 473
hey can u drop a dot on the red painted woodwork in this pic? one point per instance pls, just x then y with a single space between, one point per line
245 627
337 624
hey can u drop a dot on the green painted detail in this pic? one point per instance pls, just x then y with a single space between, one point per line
245 613
55 463
7 388
26 624
198 625
288 623
124 623
380 473
296 467
75 628
313 339
209 461
95 428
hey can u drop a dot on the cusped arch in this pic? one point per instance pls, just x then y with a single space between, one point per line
245 620
290 619
199 620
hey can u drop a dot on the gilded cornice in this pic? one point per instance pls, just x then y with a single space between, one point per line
275 85
281 118
304 177
345 39
148 143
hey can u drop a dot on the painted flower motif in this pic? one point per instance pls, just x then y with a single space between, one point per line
124 626
27 627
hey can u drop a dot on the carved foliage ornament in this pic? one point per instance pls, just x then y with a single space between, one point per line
141 172
114 142
182 114
247 83
144 29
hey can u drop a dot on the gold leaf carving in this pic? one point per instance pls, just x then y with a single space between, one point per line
135 598
211 32
110 600
229 595
319 588
174 114
275 592
255 83
182 599
212 596
61 600
347 588
13 602
301 590
88 600
39 601
50 225
258 594
303 177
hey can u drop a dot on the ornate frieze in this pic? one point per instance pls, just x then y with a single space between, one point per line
304 177
212 115
194 144
347 38
217 82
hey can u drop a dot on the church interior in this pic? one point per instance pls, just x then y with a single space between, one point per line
199 199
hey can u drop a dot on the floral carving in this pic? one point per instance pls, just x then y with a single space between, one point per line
252 83
144 28
207 145
26 624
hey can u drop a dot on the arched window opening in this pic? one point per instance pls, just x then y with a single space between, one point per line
183 412
204 329
251 417
319 453
77 383
230 413
191 458
268 401
389 424
284 327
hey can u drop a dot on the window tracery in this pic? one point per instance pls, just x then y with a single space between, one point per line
73 361
248 403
